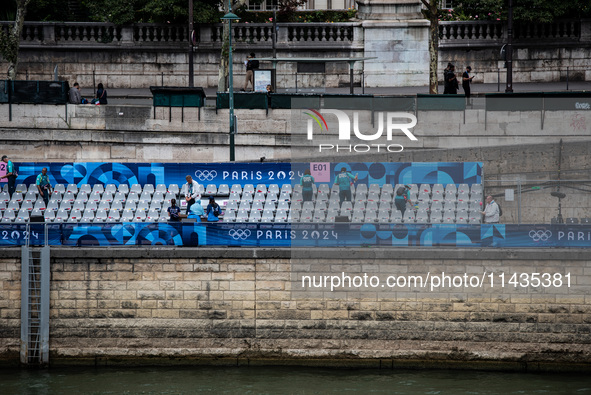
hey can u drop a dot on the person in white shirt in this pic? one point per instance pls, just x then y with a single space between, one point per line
191 191
491 211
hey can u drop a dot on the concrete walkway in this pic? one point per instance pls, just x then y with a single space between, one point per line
144 96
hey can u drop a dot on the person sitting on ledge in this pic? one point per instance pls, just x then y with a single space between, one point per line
174 211
213 210
75 97
196 211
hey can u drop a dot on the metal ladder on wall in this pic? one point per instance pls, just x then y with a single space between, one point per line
35 273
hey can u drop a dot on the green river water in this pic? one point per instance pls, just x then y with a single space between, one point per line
283 380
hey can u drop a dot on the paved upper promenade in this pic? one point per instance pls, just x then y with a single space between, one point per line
122 96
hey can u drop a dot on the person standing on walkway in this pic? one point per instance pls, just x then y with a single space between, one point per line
11 175
451 82
251 66
466 81
307 183
43 185
491 211
344 180
101 94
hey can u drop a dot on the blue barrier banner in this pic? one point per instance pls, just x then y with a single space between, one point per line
157 173
401 172
298 235
250 173
19 234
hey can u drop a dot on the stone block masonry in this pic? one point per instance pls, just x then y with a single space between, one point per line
242 306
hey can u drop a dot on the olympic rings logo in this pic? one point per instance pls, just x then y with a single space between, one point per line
239 234
206 175
540 235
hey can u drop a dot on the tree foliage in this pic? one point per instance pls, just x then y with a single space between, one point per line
166 11
523 10
431 13
9 41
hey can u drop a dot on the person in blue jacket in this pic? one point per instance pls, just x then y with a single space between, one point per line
213 210
196 211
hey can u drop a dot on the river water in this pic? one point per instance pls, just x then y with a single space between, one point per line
283 380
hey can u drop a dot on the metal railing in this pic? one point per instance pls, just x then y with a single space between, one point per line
536 201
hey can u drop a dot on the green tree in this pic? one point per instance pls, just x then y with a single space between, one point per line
9 42
431 12
544 11
152 11
56 10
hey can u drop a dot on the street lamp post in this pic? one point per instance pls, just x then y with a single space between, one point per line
191 34
509 87
230 16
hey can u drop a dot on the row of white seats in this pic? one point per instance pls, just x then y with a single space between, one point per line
323 216
111 188
224 189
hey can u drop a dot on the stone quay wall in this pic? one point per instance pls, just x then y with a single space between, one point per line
131 133
513 146
242 306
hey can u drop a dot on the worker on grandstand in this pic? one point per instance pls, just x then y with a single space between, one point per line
174 211
196 211
191 191
43 185
344 180
402 198
491 211
307 183
213 210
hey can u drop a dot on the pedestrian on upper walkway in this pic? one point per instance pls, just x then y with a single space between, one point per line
251 65
466 81
101 94
451 85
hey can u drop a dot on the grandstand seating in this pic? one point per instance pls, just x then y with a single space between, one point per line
436 203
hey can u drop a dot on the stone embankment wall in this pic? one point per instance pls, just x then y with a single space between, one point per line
133 134
513 146
246 306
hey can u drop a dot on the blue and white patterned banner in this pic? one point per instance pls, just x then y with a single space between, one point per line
248 173
299 235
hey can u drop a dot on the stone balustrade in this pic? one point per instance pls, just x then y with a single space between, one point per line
211 35
451 33
494 33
